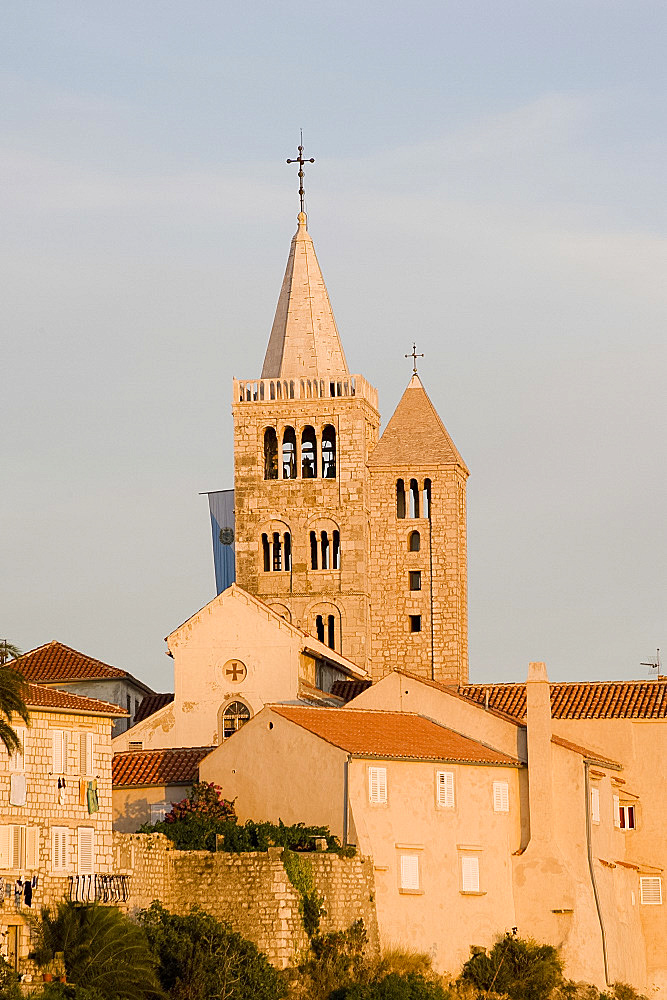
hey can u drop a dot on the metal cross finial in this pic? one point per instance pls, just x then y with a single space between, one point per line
414 357
300 160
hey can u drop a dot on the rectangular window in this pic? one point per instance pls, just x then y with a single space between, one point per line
617 810
469 873
445 789
32 847
85 850
626 815
650 890
86 761
410 872
19 847
377 784
415 579
595 805
159 810
501 797
17 759
59 849
59 745
415 623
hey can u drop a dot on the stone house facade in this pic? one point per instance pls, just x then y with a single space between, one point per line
55 811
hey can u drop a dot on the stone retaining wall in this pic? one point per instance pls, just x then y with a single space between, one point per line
252 892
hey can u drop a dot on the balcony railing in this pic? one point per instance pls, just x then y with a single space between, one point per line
266 390
99 888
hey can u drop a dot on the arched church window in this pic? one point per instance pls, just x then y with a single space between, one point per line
234 716
270 453
414 498
289 453
277 562
308 453
329 452
287 551
313 550
414 541
331 632
427 498
266 553
319 627
400 498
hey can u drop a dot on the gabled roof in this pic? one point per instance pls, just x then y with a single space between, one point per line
172 766
151 703
400 735
455 692
579 699
591 755
55 662
45 698
347 690
304 341
415 435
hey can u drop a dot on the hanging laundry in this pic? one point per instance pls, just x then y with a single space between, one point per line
17 789
18 893
83 791
61 791
93 801
27 892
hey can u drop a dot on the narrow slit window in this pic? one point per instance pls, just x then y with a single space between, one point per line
270 453
266 553
313 550
415 623
335 550
324 538
400 499
277 552
415 576
308 453
289 453
329 452
414 541
331 632
427 498
319 628
287 551
414 498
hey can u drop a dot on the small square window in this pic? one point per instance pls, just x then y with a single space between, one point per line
415 579
415 623
501 796
627 817
650 890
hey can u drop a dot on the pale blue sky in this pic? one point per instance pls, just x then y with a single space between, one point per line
490 181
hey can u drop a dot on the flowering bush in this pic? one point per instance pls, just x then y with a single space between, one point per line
205 799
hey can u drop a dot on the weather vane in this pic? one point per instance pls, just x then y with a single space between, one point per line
300 160
414 357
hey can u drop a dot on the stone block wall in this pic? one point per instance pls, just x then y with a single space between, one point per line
252 892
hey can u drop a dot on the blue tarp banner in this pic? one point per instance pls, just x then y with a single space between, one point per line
221 506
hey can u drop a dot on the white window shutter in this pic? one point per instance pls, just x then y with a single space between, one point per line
445 781
65 750
501 796
377 784
32 847
60 848
86 763
5 839
470 873
17 846
595 805
650 890
57 751
85 850
17 759
90 754
409 871
617 810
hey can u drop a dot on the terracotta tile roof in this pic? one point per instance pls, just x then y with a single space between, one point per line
580 699
415 435
172 766
38 696
456 692
151 703
590 754
390 735
57 662
347 690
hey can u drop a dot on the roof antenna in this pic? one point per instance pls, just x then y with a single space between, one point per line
653 663
300 160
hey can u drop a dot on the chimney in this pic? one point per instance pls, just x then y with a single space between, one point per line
538 721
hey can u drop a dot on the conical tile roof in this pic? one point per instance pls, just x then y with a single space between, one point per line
304 341
415 435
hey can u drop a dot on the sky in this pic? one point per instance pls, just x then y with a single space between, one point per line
489 182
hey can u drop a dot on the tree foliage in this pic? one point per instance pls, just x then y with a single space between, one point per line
200 958
393 986
12 703
103 950
521 969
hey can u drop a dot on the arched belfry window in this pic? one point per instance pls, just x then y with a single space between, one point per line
308 453
427 498
235 715
400 498
414 498
329 452
414 541
270 453
289 453
276 551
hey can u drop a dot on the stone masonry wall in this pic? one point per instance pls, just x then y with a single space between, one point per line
252 892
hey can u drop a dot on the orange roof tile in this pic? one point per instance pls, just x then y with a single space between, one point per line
390 735
415 435
151 703
57 662
580 699
172 766
37 696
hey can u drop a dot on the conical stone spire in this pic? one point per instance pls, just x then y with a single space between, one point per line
304 341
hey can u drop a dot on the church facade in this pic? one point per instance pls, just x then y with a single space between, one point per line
358 539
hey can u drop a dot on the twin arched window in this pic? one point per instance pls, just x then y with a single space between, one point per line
325 550
413 502
276 551
309 453
325 627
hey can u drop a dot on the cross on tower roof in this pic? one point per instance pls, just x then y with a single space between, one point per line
300 160
414 357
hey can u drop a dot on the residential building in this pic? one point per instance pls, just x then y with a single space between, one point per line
146 783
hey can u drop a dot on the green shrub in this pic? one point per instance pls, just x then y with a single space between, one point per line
335 959
392 987
300 873
65 991
9 982
523 970
200 958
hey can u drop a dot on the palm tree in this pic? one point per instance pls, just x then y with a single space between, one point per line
12 696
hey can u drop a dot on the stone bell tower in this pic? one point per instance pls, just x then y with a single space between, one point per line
303 433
